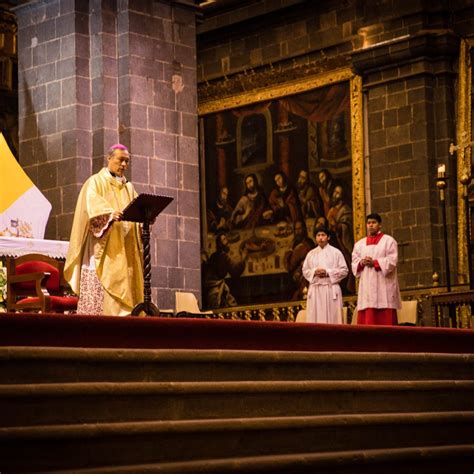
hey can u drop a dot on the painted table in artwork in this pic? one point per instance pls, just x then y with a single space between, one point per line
266 247
265 276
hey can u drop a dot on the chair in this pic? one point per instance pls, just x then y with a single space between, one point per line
36 282
354 317
345 313
408 315
187 303
301 316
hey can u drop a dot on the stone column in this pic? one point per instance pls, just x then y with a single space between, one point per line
54 103
157 102
410 105
93 73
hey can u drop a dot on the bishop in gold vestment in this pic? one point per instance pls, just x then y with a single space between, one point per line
104 260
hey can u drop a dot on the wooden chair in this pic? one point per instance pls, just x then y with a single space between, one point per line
36 282
354 317
187 303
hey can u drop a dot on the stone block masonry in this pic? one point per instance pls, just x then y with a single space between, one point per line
94 73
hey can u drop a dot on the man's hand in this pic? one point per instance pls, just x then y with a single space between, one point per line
268 214
321 273
367 262
117 215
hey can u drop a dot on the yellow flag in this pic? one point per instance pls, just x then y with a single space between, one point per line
24 211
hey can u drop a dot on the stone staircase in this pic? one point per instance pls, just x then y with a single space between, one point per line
216 411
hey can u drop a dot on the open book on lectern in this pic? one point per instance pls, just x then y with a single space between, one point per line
145 207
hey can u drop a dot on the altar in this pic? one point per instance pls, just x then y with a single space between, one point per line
16 246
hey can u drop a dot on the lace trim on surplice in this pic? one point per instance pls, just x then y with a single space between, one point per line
91 299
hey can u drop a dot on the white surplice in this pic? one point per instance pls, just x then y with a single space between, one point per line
324 294
377 288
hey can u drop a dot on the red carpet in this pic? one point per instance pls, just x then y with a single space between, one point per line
166 333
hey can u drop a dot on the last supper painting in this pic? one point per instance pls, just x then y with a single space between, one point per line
272 172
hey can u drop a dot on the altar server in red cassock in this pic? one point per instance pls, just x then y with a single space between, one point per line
374 262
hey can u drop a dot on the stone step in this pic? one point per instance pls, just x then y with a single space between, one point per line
54 365
42 404
419 460
105 444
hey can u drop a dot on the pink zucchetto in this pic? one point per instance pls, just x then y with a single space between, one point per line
118 146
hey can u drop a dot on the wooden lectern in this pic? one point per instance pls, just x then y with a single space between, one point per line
144 208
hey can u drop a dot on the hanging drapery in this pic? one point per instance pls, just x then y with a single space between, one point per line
319 105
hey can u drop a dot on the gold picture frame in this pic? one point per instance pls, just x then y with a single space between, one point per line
463 152
278 91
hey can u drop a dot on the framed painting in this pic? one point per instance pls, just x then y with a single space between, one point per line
275 165
465 164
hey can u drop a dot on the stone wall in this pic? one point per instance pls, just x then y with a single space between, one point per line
94 73
410 108
9 79
406 53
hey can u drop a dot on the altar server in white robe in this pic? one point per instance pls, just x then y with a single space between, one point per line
374 262
324 267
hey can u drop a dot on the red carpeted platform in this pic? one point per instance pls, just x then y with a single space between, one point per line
166 333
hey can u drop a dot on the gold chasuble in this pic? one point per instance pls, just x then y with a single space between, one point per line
112 247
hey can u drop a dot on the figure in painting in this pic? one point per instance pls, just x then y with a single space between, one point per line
339 217
220 215
326 188
217 268
294 258
248 212
283 200
340 221
308 195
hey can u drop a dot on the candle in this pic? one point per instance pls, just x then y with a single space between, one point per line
441 171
